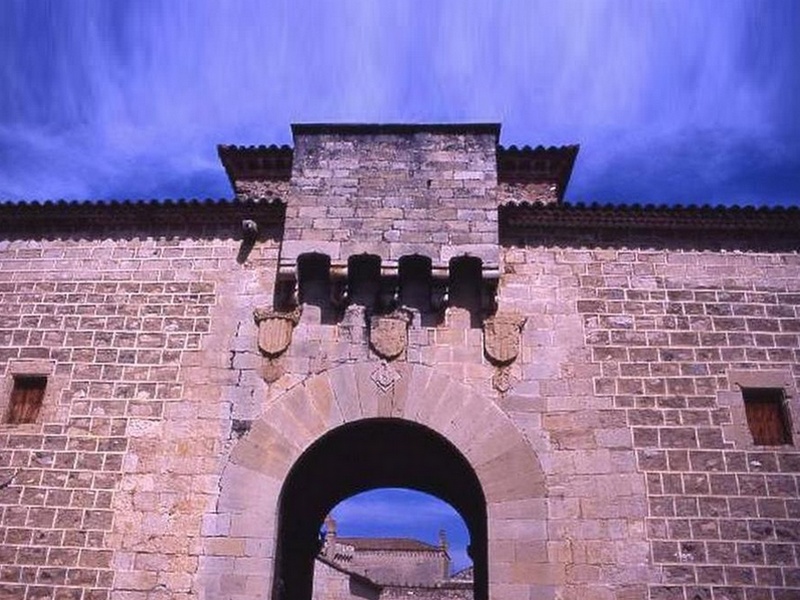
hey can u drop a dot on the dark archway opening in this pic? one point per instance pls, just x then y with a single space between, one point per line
366 455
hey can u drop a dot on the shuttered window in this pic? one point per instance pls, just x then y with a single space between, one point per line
766 416
26 400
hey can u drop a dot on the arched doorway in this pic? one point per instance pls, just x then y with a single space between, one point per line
363 455
480 440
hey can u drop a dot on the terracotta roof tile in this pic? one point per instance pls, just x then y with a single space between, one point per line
537 165
99 214
265 163
522 215
65 204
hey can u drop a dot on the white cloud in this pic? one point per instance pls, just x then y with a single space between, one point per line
124 89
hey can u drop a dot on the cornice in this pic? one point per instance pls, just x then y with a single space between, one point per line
106 214
256 163
537 216
537 165
299 129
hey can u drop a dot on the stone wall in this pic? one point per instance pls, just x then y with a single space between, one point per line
400 567
393 194
334 584
668 337
433 593
615 459
109 490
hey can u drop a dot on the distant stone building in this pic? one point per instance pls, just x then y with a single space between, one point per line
386 568
606 394
334 582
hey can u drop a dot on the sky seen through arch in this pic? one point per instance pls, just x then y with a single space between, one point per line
400 512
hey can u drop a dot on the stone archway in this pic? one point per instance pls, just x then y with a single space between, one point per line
363 455
504 465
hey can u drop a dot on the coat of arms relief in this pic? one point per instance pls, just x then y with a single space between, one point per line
388 338
388 334
275 329
501 341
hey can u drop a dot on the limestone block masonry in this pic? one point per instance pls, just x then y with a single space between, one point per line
408 305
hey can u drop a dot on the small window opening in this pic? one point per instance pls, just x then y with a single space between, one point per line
26 400
364 279
767 417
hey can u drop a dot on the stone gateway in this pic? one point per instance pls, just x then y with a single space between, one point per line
606 394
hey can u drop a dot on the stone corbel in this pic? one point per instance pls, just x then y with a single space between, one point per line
440 283
287 294
502 334
491 280
340 292
389 294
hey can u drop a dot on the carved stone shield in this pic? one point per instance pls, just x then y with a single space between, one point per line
502 379
388 334
275 329
501 335
272 370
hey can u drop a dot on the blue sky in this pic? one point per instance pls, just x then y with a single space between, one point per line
690 101
393 512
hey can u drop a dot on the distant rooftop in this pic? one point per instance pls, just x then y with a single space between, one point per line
386 544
